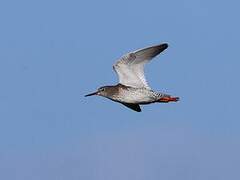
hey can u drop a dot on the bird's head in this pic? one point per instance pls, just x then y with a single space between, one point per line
102 91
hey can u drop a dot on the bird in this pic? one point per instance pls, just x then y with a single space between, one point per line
133 89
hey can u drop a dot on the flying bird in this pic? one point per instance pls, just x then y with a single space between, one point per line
133 89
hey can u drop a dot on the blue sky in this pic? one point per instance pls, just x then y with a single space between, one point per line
54 52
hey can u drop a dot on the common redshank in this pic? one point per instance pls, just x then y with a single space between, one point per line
133 89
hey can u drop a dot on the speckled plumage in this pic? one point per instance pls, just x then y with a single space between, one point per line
127 94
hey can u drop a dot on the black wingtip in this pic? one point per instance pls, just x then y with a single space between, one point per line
160 48
164 46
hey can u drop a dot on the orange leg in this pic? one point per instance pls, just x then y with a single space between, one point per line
168 99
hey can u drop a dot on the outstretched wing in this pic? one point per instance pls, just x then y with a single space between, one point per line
130 68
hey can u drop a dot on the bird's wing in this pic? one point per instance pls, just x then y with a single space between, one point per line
134 107
130 68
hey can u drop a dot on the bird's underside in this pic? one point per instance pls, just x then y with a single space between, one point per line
134 97
136 107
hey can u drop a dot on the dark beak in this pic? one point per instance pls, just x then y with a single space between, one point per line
95 93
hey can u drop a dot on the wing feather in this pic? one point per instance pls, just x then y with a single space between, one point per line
130 68
134 107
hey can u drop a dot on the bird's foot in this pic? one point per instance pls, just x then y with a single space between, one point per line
168 99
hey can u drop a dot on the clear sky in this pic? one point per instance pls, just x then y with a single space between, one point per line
53 52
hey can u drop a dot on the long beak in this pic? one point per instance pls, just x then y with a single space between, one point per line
95 93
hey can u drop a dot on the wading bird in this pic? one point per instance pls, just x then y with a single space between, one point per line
133 89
